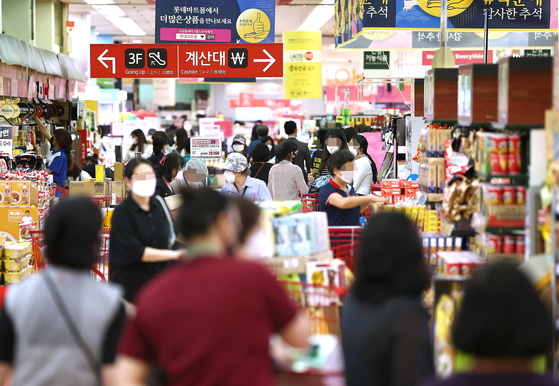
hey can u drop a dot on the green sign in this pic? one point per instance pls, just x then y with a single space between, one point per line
537 53
376 60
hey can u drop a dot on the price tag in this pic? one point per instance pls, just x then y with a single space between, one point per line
6 146
205 147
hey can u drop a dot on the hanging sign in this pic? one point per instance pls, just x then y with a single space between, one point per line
376 60
205 147
186 60
302 65
215 21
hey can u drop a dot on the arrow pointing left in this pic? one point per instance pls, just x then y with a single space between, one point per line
102 59
270 60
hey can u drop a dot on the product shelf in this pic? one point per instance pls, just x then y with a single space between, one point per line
450 278
504 229
522 177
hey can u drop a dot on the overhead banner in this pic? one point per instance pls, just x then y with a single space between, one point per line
302 65
215 21
354 17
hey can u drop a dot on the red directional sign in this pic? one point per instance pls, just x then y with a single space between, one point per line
186 60
134 61
230 60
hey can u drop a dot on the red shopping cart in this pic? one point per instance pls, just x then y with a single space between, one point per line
99 271
310 202
344 242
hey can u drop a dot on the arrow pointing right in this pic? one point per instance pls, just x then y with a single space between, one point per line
102 59
270 60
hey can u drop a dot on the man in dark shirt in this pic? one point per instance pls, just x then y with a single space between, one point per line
303 159
317 155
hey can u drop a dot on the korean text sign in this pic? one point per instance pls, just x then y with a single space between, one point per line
215 21
205 147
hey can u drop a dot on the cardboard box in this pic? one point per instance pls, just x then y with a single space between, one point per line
10 218
440 178
505 215
513 258
432 143
390 184
117 188
119 171
432 179
88 188
297 264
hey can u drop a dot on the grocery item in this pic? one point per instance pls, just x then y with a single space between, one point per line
520 249
494 243
514 156
520 195
493 194
509 244
509 195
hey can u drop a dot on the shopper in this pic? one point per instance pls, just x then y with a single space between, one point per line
180 140
268 141
260 167
365 167
350 132
262 132
317 155
385 328
77 174
166 173
208 320
254 134
141 232
504 326
168 148
140 146
172 128
304 159
187 150
239 145
248 245
60 327
89 167
286 180
194 175
335 140
60 160
338 198
239 182
159 147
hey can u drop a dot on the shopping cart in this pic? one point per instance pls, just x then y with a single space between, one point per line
344 243
321 303
310 202
99 271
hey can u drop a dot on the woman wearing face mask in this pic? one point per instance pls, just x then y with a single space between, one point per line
140 145
338 198
335 140
166 173
194 175
286 181
366 170
141 232
159 147
240 145
239 182
268 141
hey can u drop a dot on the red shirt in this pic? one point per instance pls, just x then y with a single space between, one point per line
208 322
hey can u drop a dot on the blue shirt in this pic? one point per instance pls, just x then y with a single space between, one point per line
253 145
253 189
59 167
337 216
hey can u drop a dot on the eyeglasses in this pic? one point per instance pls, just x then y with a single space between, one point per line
143 176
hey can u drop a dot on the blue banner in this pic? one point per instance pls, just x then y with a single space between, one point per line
215 21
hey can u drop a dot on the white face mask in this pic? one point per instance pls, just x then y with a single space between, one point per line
269 147
135 141
332 149
144 188
347 176
238 148
229 176
353 151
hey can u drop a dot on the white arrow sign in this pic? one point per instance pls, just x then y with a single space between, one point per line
102 59
270 60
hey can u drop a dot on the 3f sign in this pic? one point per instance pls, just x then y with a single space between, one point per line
135 58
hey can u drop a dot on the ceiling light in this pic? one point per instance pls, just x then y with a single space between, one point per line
99 2
319 16
136 41
110 10
126 25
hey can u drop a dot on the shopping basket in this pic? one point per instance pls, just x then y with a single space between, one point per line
322 304
310 202
344 243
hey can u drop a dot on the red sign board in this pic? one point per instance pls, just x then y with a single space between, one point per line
186 60
460 57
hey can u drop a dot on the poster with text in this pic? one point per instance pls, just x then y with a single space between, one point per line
215 21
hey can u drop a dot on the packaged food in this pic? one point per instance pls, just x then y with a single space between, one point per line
520 195
499 153
514 157
509 195
494 244
493 194
520 249
14 251
509 244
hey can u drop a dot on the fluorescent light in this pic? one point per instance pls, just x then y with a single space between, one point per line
126 25
91 2
137 41
110 10
319 16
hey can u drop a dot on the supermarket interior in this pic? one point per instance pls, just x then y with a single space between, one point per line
380 179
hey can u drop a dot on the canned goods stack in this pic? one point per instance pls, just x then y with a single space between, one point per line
499 154
503 205
496 247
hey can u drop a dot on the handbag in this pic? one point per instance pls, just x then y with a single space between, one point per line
173 237
85 349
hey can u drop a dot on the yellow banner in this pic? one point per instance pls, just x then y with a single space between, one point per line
302 65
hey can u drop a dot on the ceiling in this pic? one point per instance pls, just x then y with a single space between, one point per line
288 17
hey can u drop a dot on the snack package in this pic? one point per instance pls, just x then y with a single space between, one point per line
301 235
282 231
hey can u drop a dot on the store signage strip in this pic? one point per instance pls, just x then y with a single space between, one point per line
186 60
